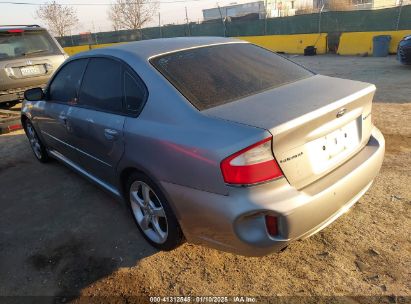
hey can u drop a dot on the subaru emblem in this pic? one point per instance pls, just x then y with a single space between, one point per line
341 112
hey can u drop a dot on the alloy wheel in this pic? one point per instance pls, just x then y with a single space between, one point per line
149 212
34 141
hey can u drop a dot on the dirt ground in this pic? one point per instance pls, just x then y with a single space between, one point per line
62 236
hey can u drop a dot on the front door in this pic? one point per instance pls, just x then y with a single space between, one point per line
55 110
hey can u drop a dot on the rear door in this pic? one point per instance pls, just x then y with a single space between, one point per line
97 122
62 95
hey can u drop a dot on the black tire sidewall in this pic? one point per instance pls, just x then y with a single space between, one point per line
175 236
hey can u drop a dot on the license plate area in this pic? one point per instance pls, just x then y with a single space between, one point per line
333 148
32 70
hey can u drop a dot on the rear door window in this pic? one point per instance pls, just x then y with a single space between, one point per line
215 75
65 85
135 94
102 85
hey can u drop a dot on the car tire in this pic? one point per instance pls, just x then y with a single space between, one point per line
39 150
152 213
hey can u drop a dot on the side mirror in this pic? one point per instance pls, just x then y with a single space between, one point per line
34 94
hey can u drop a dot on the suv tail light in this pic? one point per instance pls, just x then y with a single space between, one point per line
254 164
15 31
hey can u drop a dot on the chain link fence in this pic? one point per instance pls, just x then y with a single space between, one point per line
335 22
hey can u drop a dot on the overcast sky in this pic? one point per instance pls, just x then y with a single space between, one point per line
94 18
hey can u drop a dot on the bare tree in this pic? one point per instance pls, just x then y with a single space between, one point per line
60 19
132 14
114 14
340 5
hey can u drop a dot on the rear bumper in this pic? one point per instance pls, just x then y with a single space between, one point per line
235 222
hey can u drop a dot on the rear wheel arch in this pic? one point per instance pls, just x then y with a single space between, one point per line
132 175
124 176
126 172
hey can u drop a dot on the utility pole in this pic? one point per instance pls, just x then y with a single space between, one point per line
265 17
159 25
399 14
72 40
222 20
188 24
95 34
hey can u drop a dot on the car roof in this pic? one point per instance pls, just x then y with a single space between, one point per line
146 49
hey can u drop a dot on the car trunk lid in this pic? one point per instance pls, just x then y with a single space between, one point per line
317 123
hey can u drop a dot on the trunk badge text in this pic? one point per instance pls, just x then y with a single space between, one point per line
341 112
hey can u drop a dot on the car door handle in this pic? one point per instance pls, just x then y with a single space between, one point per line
63 118
110 134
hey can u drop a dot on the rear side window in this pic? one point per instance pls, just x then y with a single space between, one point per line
135 94
65 85
216 75
101 88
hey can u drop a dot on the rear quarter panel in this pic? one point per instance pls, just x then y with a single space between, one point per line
173 142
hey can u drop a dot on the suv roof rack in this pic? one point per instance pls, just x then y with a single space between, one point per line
19 25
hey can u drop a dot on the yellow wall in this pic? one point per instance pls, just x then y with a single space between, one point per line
293 44
72 50
97 46
361 42
350 43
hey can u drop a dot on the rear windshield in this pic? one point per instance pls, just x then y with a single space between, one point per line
26 44
216 75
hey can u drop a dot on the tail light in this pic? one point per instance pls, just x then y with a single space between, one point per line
254 164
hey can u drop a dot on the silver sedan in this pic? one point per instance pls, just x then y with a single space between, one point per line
213 140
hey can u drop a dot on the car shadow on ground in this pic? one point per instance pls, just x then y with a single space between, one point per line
58 232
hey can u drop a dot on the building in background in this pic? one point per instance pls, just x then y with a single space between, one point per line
358 4
235 11
283 8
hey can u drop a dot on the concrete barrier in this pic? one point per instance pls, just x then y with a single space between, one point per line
292 44
359 43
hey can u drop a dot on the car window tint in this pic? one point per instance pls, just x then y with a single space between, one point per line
101 87
135 94
65 85
216 75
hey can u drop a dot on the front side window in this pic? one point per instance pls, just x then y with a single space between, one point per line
65 85
101 88
216 75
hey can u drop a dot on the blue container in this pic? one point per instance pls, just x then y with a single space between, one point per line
381 46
